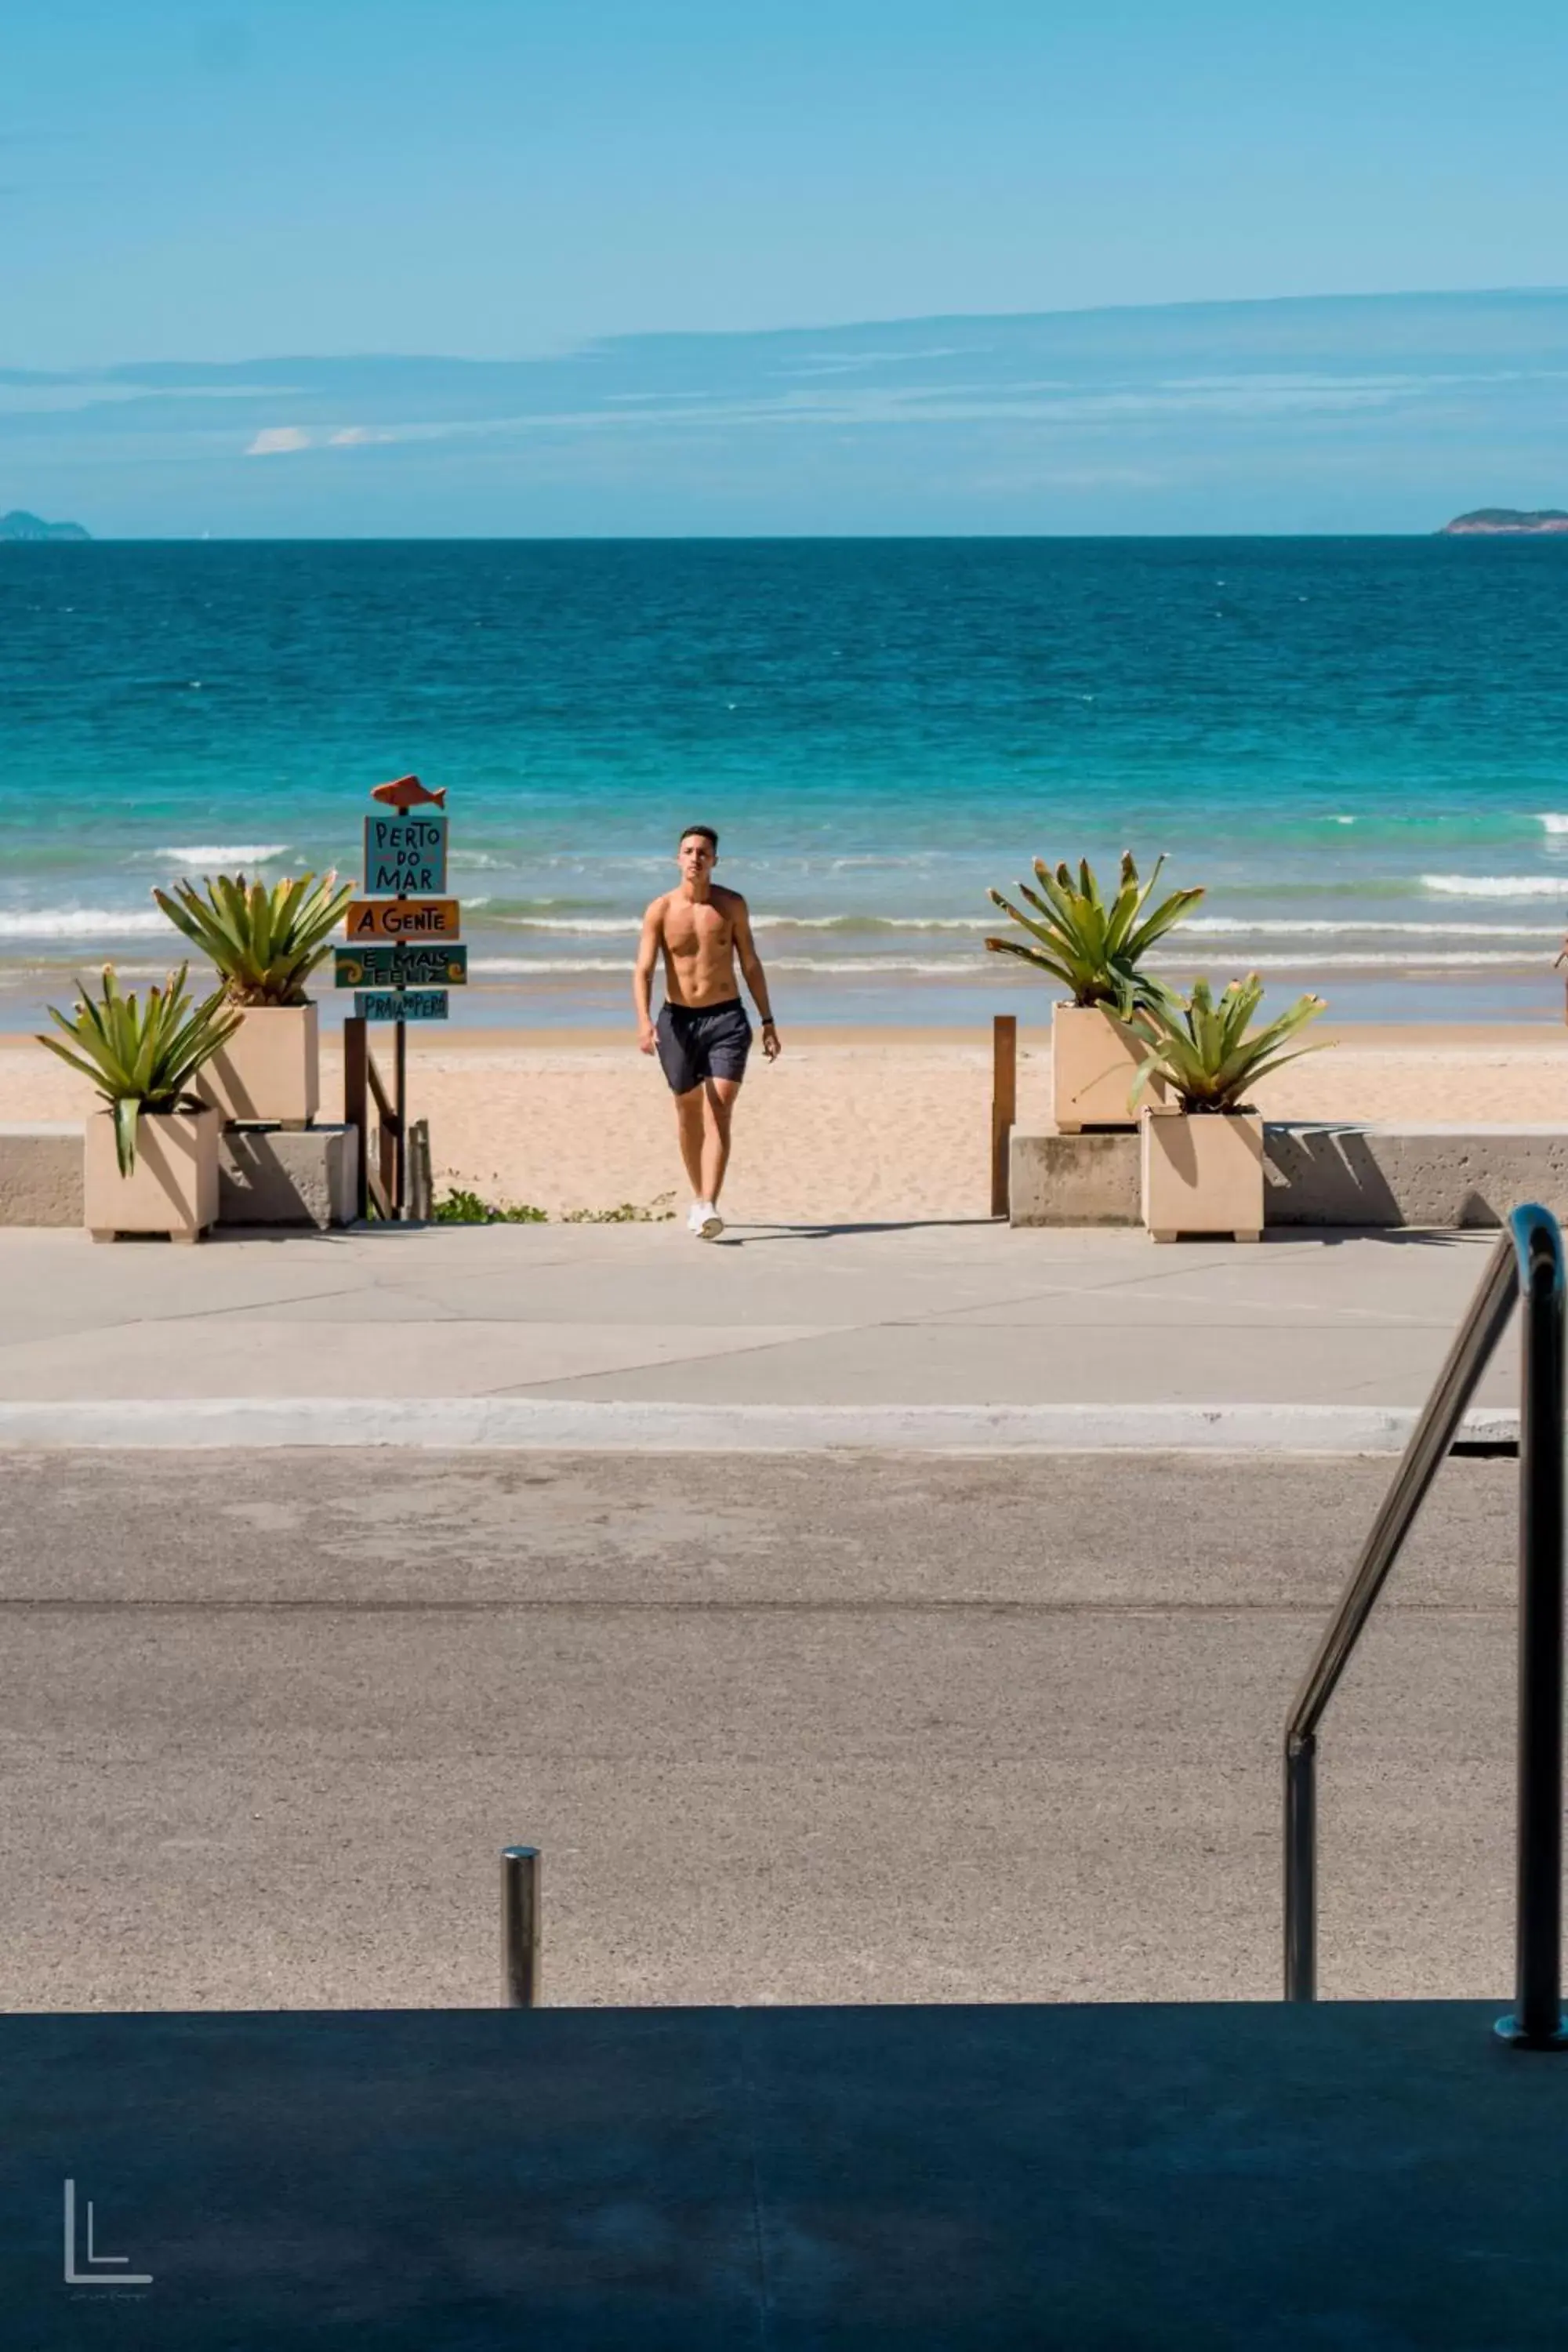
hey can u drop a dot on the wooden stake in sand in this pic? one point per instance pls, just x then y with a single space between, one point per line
1003 1107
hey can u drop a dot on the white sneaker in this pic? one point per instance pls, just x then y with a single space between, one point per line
694 1217
710 1224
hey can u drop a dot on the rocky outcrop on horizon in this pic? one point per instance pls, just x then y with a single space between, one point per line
19 524
1492 522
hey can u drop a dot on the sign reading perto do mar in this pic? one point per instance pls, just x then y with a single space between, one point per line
404 856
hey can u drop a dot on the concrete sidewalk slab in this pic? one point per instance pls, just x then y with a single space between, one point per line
252 1355
850 1319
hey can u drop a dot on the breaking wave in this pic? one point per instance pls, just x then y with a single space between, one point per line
84 923
1496 886
864 967
226 852
1218 927
585 926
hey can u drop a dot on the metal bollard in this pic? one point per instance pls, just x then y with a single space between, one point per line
421 1187
519 1927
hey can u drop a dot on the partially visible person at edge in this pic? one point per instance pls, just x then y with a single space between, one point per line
702 1035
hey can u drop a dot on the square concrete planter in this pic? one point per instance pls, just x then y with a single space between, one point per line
1094 1060
173 1189
270 1068
1202 1173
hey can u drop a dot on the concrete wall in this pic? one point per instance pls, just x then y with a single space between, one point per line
40 1174
265 1176
280 1176
1074 1179
1315 1173
1319 1174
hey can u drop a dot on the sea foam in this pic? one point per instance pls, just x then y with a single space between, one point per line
1278 927
584 926
82 923
226 852
1496 886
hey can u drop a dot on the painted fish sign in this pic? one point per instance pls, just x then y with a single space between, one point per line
404 856
406 965
406 793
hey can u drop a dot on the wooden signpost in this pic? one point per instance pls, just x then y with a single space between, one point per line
403 954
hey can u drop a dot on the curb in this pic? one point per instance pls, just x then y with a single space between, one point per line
566 1425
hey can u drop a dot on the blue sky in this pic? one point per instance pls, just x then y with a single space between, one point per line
509 181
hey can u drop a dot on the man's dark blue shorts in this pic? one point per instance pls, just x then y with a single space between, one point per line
706 1041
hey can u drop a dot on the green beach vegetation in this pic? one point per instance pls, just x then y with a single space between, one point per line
462 1206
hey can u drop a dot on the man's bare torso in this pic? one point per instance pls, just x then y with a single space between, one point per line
696 938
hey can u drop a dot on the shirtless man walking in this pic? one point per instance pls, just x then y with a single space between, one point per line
702 1035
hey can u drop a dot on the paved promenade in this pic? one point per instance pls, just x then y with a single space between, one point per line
787 1727
850 1321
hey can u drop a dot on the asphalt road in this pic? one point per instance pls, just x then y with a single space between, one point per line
787 1728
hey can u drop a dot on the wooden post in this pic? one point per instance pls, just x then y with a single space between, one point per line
421 1193
1003 1107
356 1105
400 1130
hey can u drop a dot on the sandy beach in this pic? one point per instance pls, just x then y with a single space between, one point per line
858 1123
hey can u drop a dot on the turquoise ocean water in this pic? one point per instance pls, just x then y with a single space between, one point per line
1361 746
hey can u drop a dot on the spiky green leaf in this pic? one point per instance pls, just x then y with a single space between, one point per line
1205 1049
265 942
1096 949
141 1058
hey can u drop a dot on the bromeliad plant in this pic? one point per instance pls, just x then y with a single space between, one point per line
1095 948
265 942
141 1057
1207 1053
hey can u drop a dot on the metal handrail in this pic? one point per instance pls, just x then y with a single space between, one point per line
1527 1266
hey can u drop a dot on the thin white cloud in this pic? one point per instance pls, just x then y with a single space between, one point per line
839 363
1067 478
919 404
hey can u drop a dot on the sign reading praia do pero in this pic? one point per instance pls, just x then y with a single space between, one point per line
401 1005
404 856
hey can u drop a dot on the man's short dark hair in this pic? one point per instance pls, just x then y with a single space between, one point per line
704 833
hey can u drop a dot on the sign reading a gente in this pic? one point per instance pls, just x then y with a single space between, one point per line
402 919
404 856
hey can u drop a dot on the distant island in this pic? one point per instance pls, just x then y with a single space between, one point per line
1488 521
20 525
